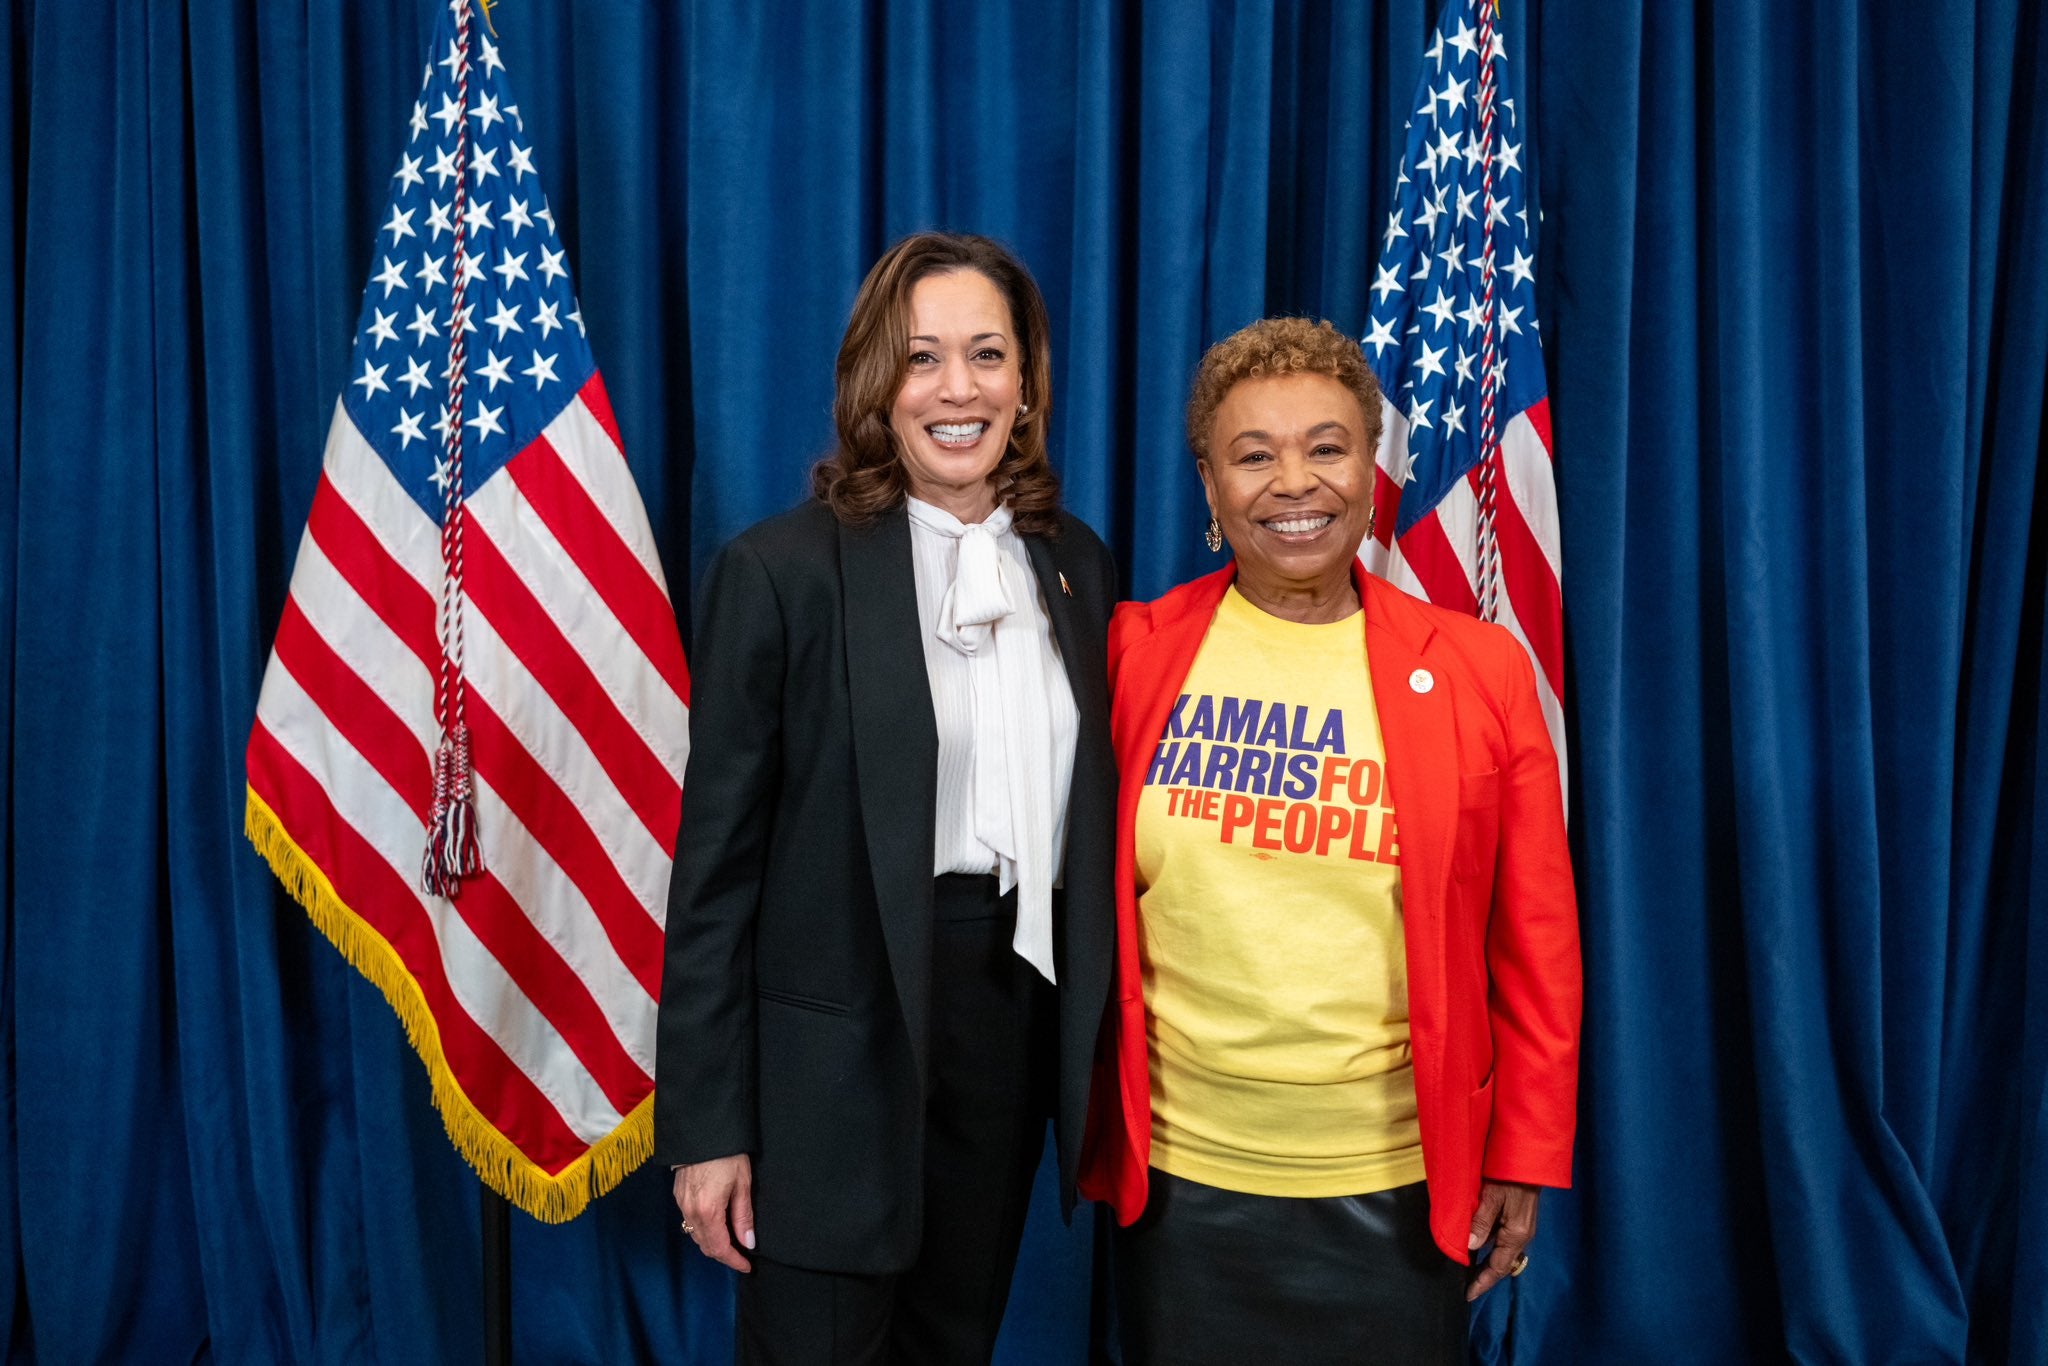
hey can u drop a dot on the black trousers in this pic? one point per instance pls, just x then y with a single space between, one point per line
1216 1276
993 1061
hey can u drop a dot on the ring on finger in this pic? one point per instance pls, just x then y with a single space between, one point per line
1521 1265
687 1229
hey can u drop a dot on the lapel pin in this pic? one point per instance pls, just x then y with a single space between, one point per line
1421 680
1063 586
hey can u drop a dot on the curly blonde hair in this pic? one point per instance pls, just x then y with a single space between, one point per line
1270 349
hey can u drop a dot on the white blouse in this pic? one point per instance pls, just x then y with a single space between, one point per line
1005 713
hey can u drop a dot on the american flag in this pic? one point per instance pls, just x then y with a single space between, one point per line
531 994
1467 506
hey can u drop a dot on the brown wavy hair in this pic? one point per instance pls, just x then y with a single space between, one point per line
865 476
1274 347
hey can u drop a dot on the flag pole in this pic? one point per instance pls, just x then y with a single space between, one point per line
452 848
1489 339
452 851
497 1230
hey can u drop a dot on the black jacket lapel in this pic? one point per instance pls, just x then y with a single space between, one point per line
896 751
1080 650
1086 926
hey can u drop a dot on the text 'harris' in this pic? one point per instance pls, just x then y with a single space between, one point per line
1275 775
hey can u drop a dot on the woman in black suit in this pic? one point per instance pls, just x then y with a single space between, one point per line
897 837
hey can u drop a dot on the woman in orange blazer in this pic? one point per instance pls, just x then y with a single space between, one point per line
1343 1052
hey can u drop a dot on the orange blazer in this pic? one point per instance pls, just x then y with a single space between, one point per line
1488 910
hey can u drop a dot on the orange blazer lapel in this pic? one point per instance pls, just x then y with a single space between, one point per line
1420 735
1148 667
1151 648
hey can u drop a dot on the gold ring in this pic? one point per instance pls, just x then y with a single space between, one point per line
689 1230
1521 1265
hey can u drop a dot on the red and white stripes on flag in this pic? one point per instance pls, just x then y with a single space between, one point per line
531 995
1466 505
1438 558
530 987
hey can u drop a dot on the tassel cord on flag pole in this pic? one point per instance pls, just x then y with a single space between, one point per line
1467 462
1488 472
326 797
452 851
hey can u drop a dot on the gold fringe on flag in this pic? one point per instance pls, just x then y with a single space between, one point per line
552 1199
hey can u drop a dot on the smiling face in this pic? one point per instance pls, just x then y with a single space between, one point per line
961 387
1289 476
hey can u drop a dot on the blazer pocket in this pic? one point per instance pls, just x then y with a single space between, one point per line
1479 1119
802 1002
1478 826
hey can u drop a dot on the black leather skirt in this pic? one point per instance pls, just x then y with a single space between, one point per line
1208 1275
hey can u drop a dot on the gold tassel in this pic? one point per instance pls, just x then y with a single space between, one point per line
552 1199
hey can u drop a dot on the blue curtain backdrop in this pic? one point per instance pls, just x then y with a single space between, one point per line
1794 288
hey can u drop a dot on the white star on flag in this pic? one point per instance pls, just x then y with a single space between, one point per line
542 370
422 325
1460 230
407 429
506 319
1439 308
1431 360
486 420
495 369
372 379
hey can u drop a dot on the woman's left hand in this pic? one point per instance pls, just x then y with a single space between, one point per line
1507 1215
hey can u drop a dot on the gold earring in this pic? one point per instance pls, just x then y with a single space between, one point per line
1372 522
1213 536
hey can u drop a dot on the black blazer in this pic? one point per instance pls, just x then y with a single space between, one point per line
795 996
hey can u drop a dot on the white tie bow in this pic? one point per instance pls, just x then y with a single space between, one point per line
1013 778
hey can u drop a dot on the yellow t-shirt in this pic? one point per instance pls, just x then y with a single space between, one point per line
1269 915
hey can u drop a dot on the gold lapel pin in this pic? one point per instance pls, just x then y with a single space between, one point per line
1063 586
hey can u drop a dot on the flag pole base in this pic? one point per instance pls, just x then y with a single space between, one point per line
497 1268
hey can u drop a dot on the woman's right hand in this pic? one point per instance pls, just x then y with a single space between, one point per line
717 1201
